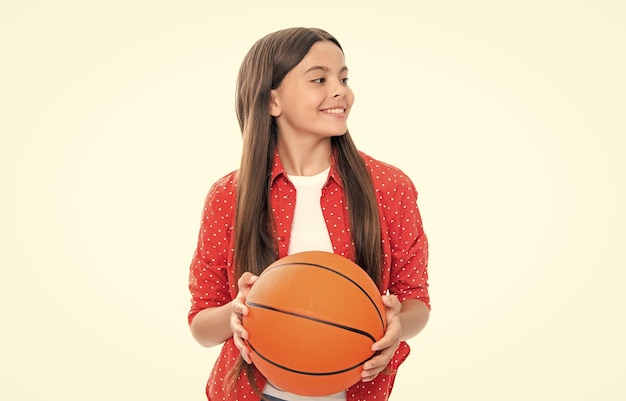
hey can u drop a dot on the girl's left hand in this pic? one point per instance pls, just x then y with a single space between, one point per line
388 344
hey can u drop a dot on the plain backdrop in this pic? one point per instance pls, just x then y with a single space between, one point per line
117 116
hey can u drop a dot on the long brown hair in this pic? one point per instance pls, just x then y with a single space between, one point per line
263 69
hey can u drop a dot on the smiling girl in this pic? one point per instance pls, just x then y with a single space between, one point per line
302 185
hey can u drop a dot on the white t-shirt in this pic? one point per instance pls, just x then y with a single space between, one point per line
308 233
308 230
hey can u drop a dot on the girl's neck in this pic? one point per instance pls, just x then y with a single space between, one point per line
305 159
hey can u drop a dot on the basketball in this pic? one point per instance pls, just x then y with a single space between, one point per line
313 317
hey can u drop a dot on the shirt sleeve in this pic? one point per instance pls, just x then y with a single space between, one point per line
208 273
409 244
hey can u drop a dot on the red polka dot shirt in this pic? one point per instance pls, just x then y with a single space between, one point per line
404 271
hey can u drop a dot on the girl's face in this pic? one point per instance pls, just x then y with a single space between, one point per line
314 100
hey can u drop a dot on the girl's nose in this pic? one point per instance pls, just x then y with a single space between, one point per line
339 90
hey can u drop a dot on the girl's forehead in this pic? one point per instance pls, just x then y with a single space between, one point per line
324 55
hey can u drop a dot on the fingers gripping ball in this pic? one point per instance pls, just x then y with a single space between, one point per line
313 317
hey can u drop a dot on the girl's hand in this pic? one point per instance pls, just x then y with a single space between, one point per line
388 344
239 309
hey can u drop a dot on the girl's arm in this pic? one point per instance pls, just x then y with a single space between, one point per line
413 317
211 326
404 321
211 304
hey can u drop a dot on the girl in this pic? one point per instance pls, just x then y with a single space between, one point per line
303 185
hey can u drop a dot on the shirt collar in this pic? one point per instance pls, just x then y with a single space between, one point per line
278 170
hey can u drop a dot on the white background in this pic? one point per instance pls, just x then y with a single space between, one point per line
117 116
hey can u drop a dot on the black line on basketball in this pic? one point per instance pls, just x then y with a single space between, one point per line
301 372
380 317
341 326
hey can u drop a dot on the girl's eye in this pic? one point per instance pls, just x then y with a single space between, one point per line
322 80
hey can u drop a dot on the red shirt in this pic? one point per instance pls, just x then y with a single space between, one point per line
405 257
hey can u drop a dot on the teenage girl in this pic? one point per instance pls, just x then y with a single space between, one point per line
303 185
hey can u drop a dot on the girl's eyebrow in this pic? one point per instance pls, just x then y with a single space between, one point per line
325 69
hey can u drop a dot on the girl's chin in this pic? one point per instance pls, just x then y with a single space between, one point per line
338 131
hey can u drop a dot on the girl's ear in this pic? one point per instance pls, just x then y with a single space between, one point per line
275 110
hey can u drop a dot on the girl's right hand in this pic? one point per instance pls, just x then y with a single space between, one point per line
239 309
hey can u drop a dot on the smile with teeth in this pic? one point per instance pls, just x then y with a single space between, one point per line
334 111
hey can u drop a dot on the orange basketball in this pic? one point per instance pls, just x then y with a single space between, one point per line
313 317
